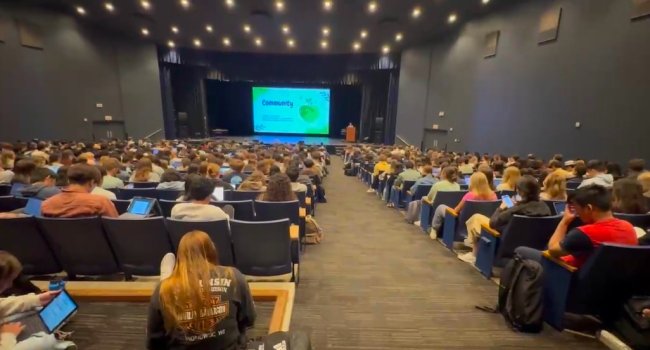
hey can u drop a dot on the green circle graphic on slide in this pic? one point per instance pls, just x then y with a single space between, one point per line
309 114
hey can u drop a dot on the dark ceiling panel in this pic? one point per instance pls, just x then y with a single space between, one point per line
306 19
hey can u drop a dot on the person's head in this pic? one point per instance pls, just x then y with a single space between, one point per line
200 190
644 179
143 169
554 164
628 197
67 157
170 175
188 286
478 183
213 170
7 159
555 185
528 189
112 166
511 175
279 189
274 170
293 173
23 170
10 268
591 203
43 175
427 170
408 164
450 174
580 170
62 176
636 165
498 166
236 165
382 158
489 174
84 175
595 167
55 157
308 163
256 176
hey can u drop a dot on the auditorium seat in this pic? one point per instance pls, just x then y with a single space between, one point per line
612 275
121 205
129 193
219 232
244 210
170 195
80 245
398 196
144 184
269 211
420 192
11 203
556 207
495 248
5 190
22 238
448 198
263 249
139 244
637 220
167 206
454 228
245 195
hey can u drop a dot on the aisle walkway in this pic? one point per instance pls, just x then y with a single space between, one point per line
379 283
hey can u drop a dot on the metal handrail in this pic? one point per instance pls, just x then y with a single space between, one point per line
402 139
153 133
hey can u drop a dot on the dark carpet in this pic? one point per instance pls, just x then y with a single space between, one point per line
377 282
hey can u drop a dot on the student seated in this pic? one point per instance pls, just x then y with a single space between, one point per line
199 304
199 194
144 172
99 190
593 205
43 185
635 167
409 174
628 197
554 188
465 168
255 182
597 175
76 200
448 182
293 173
510 177
235 176
426 179
113 167
171 180
529 205
382 166
278 189
214 173
644 179
479 190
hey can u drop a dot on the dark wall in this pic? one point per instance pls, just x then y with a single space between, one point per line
529 97
48 93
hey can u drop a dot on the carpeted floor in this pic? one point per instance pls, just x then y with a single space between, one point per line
374 283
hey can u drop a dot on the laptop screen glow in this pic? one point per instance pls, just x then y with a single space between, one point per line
139 207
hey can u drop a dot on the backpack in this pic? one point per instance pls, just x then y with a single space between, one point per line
631 326
313 231
520 295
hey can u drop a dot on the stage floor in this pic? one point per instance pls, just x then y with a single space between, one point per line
270 139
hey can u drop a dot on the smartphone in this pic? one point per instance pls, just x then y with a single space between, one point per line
507 201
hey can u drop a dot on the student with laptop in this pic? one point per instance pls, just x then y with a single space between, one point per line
199 194
14 331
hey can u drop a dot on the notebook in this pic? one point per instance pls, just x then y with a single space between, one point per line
50 318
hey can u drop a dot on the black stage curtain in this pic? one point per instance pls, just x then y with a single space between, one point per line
186 71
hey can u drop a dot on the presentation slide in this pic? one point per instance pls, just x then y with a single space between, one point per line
291 110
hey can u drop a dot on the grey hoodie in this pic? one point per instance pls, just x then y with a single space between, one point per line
605 180
40 191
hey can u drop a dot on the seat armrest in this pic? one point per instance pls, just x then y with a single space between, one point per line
294 232
302 212
308 200
490 231
452 212
425 200
547 255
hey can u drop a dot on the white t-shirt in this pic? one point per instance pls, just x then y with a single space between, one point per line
197 211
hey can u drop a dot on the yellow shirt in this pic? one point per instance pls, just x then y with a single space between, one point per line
381 167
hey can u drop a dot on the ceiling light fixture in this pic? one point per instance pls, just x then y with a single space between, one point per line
279 5
327 5
372 7
258 41
185 3
230 3
226 41
385 49
144 31
417 11
247 28
145 4
80 10
356 46
398 37
286 29
485 2
171 44
364 34
209 28
326 31
452 18
197 42
175 29
324 44
109 7
291 43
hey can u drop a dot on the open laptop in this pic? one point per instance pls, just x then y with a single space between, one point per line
33 207
50 318
139 208
560 207
218 194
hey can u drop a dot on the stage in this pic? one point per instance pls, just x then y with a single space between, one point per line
271 139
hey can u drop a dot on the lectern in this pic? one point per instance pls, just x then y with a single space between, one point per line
350 133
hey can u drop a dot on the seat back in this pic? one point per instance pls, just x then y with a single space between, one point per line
244 210
420 192
245 195
219 232
406 185
5 190
139 244
572 185
144 184
11 203
168 195
129 193
302 196
448 198
166 207
262 248
80 245
525 231
22 238
637 220
269 211
121 205
470 208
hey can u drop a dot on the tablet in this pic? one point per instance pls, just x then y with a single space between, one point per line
141 206
507 201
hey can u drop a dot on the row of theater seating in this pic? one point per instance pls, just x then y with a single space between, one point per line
611 275
105 246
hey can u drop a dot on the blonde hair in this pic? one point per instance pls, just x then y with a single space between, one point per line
510 177
644 179
187 290
555 186
478 183
213 170
143 169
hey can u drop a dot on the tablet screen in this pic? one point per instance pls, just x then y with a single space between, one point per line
57 311
139 207
507 201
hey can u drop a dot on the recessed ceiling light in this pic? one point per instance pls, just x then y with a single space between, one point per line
226 41
364 34
144 31
324 44
230 3
279 5
197 42
145 4
171 44
247 28
80 10
109 7
485 2
385 49
258 41
175 29
327 5
326 31
452 18
185 3
372 6
209 28
417 11
398 37
291 43
356 46
286 29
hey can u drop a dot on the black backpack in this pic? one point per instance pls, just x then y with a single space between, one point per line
520 295
630 325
